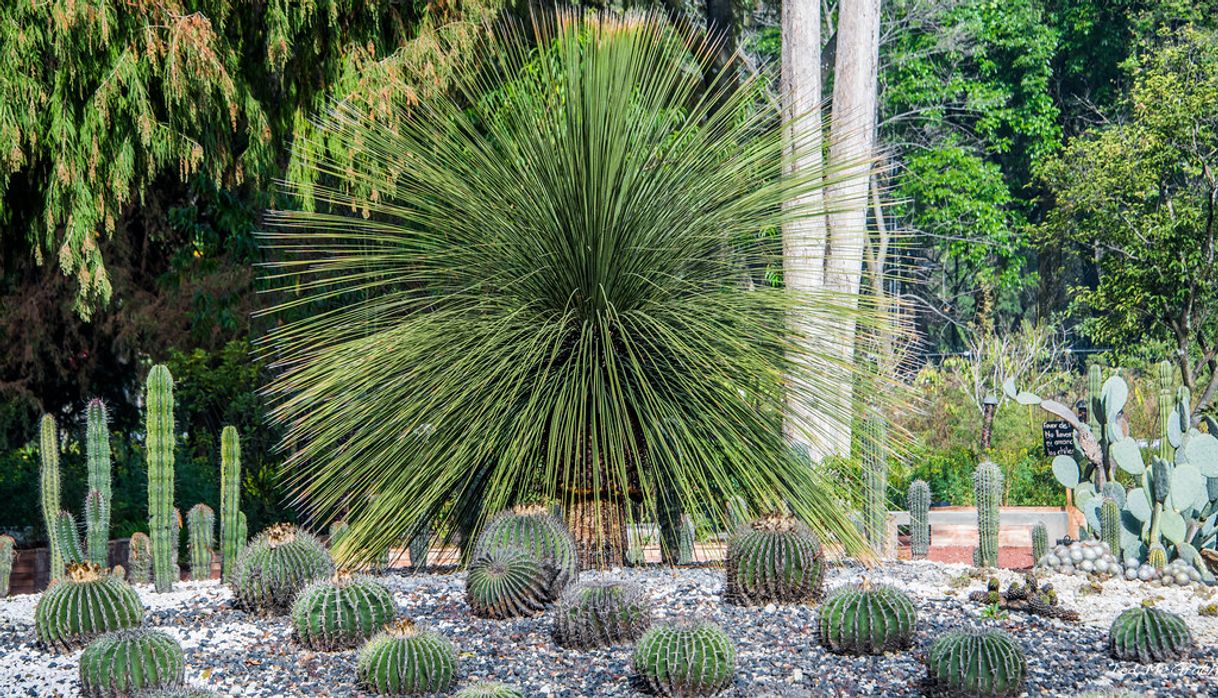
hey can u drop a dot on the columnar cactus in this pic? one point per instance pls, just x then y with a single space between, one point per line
1157 558
1167 405
49 486
7 553
504 582
232 525
1095 399
775 559
686 659
597 614
201 527
158 402
862 619
536 531
1110 525
85 603
125 663
686 540
139 558
987 486
1040 542
275 566
97 501
874 442
976 662
919 519
67 537
1146 634
419 546
668 522
489 689
341 612
404 659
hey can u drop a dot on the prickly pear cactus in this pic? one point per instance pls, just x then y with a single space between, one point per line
598 614
776 559
405 659
84 603
686 659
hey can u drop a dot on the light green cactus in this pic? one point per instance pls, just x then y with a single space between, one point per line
919 519
419 546
7 554
987 487
97 501
158 402
874 442
232 530
139 558
1040 542
67 537
201 540
1110 525
49 489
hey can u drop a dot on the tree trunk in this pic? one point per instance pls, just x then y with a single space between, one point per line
599 527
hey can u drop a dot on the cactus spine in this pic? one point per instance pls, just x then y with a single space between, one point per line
1110 525
49 450
67 537
875 474
201 526
919 518
1040 542
6 563
1167 406
158 402
232 526
987 486
97 501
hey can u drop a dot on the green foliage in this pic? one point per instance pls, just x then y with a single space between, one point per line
8 553
489 690
598 614
159 433
139 558
201 532
776 559
275 566
85 603
1147 634
97 501
126 662
232 537
988 488
404 659
341 613
686 659
533 530
867 620
919 518
508 582
977 662
49 490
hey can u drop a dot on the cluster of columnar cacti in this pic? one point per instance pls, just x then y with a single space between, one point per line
84 603
918 502
597 614
875 481
1147 634
976 662
1040 541
158 403
775 559
534 530
507 582
49 489
8 552
685 659
275 566
865 619
987 488
489 689
129 662
341 612
405 659
232 521
201 540
139 558
97 501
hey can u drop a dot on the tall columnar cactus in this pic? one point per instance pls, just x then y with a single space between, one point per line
341 612
49 481
919 519
139 558
1095 399
668 521
97 501
128 662
158 403
7 553
1146 634
85 603
987 486
598 614
419 546
867 620
976 662
1167 405
405 659
875 481
1110 525
201 540
774 560
67 538
232 527
1040 542
686 659
536 531
685 543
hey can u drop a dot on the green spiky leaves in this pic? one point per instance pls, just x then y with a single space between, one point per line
505 582
597 614
124 663
775 559
275 566
84 603
686 659
342 612
977 662
1147 634
867 620
405 659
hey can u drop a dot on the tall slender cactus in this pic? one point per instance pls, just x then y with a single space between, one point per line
200 527
987 486
1167 406
97 501
1095 386
875 473
232 527
1110 525
49 482
919 519
158 404
7 553
1040 541
419 545
67 538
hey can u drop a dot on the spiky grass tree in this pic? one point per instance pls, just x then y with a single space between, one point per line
563 276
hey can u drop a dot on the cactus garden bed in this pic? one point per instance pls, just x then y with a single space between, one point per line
778 653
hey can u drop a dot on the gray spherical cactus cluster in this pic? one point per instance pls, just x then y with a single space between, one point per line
128 662
597 614
275 566
976 662
1084 557
775 559
686 659
536 531
84 603
865 619
341 612
504 582
489 689
1175 573
1146 634
405 659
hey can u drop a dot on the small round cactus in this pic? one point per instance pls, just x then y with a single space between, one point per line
489 689
275 566
595 614
183 692
976 662
342 612
86 602
775 559
864 619
536 531
130 661
1147 634
507 583
404 659
686 659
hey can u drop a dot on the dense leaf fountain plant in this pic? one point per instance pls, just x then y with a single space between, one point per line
569 255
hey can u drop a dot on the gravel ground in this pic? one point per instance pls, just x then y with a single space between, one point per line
238 655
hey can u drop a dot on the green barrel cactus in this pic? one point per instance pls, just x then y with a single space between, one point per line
158 401
489 689
504 582
275 566
406 660
49 489
976 662
97 501
538 532
139 558
201 540
918 502
862 619
1040 542
232 520
987 486
686 659
1147 634
128 662
775 559
84 603
597 614
8 553
342 612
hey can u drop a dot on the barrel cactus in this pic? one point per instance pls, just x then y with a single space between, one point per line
127 662
976 662
862 619
342 612
1147 634
538 532
489 689
276 565
505 582
405 659
595 614
774 559
84 603
686 659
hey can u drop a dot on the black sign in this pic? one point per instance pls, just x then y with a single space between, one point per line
1059 438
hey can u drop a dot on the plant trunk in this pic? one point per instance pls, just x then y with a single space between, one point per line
599 527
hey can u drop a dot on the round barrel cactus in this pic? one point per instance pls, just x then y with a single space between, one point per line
489 689
342 612
275 566
127 662
596 614
504 582
774 559
84 603
976 662
535 530
862 619
1147 634
404 659
686 659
